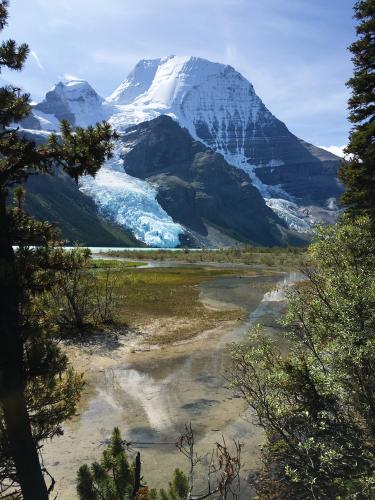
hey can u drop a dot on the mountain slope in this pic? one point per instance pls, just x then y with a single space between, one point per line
196 186
57 199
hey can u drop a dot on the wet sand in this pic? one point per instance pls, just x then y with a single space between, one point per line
150 395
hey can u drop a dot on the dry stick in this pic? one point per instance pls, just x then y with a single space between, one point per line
228 465
45 471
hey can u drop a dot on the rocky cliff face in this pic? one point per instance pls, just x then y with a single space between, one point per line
197 187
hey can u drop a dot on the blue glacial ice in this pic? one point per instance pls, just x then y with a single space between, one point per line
132 204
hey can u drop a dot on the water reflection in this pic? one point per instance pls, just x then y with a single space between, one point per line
151 395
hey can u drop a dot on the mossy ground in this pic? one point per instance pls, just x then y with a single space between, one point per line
113 264
164 302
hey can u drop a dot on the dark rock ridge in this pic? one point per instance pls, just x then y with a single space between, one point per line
196 186
307 173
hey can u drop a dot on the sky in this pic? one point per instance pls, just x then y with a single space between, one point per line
294 52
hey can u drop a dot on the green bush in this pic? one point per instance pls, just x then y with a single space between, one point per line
317 403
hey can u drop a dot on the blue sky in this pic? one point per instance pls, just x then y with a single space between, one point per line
293 51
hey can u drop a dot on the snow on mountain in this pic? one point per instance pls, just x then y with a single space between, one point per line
189 89
203 96
75 101
137 82
47 121
336 150
80 96
291 213
131 202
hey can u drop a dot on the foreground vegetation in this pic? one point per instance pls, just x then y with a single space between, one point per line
280 257
112 264
317 403
114 477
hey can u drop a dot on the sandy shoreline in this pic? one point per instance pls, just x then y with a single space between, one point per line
98 361
107 349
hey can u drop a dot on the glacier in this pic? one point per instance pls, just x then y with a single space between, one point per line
131 203
291 213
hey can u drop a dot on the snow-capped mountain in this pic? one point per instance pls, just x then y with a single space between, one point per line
218 107
196 92
75 101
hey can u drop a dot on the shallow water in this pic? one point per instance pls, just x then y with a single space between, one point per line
151 395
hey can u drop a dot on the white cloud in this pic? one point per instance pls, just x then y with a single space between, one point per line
336 150
69 77
36 59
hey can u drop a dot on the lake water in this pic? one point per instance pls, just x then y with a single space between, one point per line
98 250
151 395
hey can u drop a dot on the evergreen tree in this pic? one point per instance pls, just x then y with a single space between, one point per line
114 478
358 174
29 358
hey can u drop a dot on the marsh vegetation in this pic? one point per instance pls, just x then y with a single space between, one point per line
285 257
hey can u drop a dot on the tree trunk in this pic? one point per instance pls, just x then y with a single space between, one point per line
12 376
137 474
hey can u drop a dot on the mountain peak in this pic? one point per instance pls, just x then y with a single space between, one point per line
136 83
74 100
162 80
74 90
